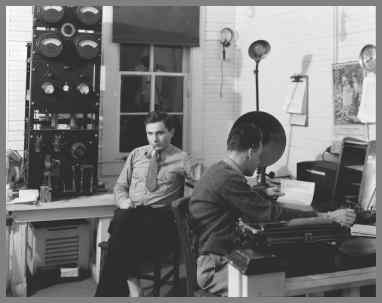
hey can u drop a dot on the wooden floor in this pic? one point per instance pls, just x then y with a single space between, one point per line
87 288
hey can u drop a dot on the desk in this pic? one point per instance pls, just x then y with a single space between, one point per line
86 207
277 284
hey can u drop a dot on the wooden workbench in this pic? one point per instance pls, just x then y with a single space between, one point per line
264 275
86 207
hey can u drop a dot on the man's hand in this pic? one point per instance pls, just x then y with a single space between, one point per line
273 191
126 203
344 216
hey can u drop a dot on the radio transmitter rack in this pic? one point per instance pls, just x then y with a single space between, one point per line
63 100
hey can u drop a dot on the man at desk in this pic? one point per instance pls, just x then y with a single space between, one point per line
142 227
222 196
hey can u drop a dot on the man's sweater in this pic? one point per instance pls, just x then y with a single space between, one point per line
221 196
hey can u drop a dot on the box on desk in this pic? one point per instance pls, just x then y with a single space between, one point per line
57 251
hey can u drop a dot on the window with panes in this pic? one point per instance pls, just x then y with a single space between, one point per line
152 78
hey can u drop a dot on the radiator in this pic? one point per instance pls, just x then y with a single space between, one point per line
58 244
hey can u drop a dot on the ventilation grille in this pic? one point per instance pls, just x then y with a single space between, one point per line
62 251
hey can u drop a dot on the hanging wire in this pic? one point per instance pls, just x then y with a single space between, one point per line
221 76
289 144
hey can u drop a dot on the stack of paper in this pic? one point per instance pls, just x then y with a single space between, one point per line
25 196
361 230
296 192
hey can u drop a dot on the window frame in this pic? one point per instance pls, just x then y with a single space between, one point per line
153 74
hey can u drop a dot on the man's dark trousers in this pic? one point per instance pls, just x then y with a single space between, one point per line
136 235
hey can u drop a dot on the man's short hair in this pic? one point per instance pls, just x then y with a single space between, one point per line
157 116
244 136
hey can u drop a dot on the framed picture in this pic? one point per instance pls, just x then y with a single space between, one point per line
347 88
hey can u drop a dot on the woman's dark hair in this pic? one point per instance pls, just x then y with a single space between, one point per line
244 136
157 116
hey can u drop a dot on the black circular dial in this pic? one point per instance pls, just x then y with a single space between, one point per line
86 47
78 150
68 30
49 45
88 15
51 14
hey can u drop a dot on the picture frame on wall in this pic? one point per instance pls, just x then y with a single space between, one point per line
347 90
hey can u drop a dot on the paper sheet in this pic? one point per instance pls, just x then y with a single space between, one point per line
291 90
296 98
363 230
25 196
69 272
298 119
367 108
297 192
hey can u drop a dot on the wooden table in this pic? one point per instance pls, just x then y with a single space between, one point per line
86 207
275 283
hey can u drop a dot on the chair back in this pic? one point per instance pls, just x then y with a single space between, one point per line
183 223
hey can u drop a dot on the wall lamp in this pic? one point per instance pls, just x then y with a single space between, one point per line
258 50
367 58
226 36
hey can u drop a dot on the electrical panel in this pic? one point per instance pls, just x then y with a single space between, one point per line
63 99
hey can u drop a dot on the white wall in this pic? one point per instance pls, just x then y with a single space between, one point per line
328 34
109 165
18 32
219 111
